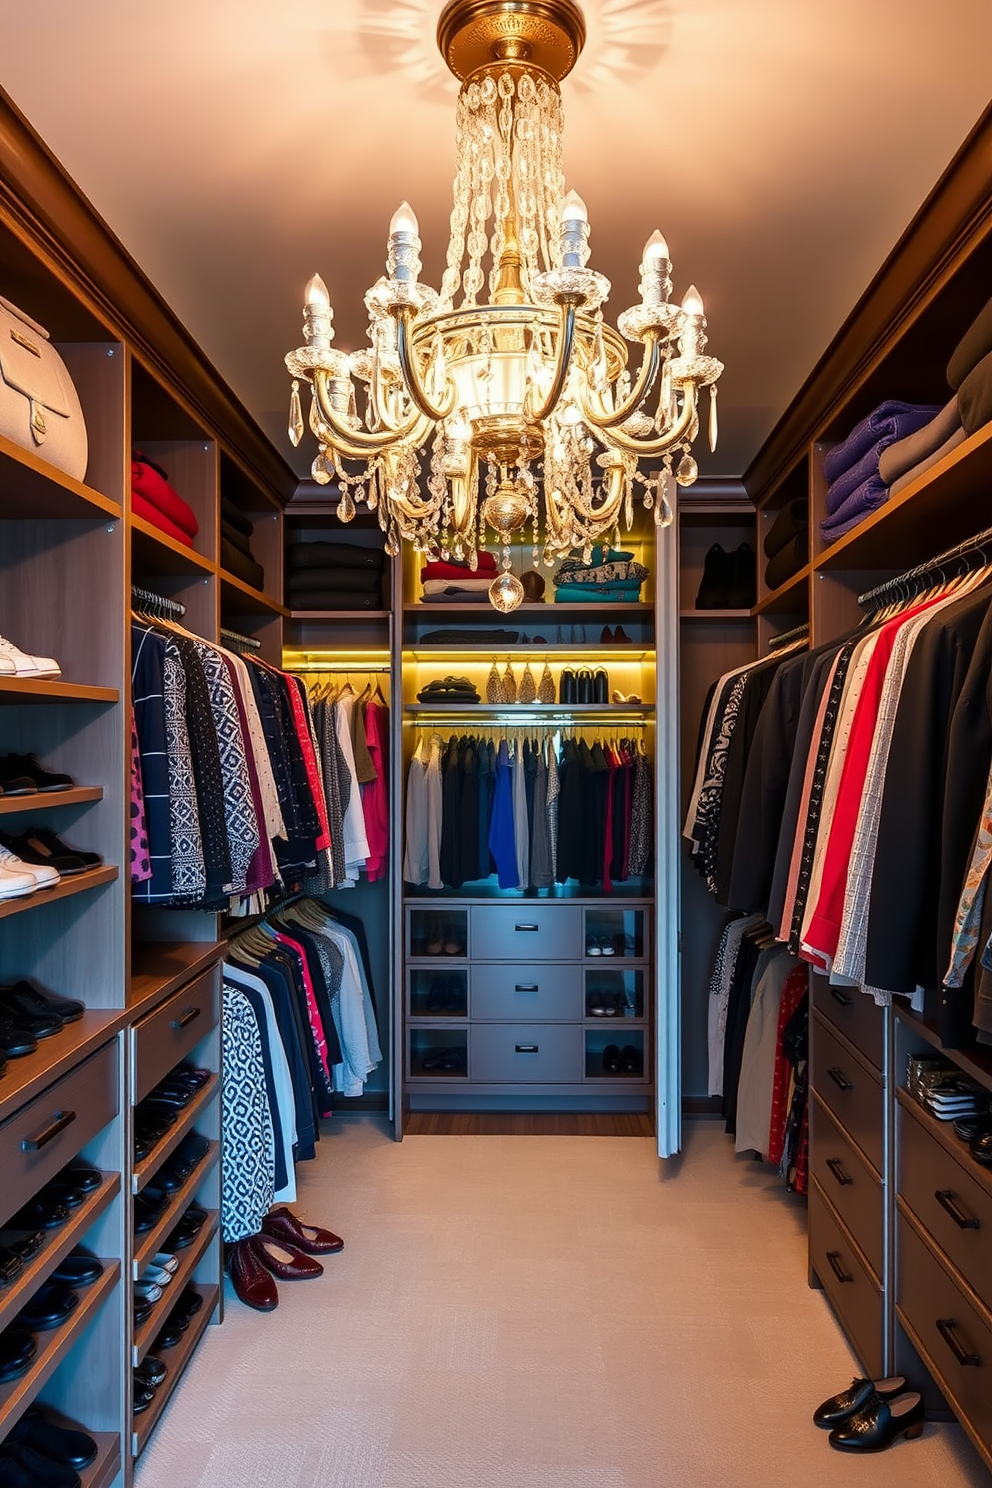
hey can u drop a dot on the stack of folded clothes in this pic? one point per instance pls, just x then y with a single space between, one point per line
610 577
235 545
787 543
445 690
334 576
153 499
729 580
448 582
857 487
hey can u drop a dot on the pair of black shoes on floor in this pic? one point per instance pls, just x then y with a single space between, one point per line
729 580
446 996
149 1374
27 1014
584 686
37 1453
871 1415
626 1061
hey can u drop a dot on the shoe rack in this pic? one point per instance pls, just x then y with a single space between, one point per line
150 981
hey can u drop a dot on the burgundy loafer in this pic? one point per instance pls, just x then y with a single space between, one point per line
282 1224
284 1260
252 1283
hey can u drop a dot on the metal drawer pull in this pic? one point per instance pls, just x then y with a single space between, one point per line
837 1168
964 1221
532 928
945 1327
839 1078
526 1048
186 1018
35 1144
834 1257
526 987
841 997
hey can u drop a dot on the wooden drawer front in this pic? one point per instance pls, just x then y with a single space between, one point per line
948 1202
849 1091
853 1189
846 1280
950 1329
504 993
527 1053
857 1016
169 1033
526 932
48 1132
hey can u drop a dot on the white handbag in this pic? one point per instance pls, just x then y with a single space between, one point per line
39 405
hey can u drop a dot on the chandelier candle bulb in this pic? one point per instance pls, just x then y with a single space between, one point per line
317 315
403 264
574 240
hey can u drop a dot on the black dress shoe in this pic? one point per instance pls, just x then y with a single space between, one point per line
17 1349
981 1149
15 1040
848 1402
187 1229
186 1308
54 851
38 1022
631 1060
85 1178
25 1243
40 1214
143 1398
49 1308
39 1472
142 1309
11 1265
151 1372
148 1209
71 1448
63 1193
966 1128
879 1423
25 768
435 997
31 851
44 1004
78 1268
611 1059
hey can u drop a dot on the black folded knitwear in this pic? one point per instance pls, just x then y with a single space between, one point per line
334 555
449 690
342 600
240 565
356 580
235 517
236 538
787 561
792 520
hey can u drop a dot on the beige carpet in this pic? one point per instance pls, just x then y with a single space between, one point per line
534 1312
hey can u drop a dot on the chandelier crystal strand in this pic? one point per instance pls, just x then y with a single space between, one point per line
533 385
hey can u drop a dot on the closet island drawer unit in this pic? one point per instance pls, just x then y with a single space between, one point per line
520 992
526 931
174 1029
849 1089
847 1280
526 1053
50 1130
856 1015
854 1189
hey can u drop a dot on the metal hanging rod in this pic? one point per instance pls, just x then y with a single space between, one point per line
315 668
236 639
872 599
789 637
153 601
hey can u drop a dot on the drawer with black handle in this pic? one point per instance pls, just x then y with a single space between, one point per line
526 932
853 1188
847 1281
856 1015
526 1053
846 1087
169 1033
511 993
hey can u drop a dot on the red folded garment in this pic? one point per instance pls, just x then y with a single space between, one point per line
142 508
152 485
487 565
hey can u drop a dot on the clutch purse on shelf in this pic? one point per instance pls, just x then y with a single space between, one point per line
39 405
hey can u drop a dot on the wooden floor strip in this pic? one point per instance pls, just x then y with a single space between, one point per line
527 1124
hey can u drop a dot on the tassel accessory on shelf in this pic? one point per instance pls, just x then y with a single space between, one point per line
509 685
546 687
528 687
495 691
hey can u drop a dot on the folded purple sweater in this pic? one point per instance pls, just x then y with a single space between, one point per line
863 500
890 421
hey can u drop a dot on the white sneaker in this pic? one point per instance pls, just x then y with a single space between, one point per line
41 877
16 663
14 885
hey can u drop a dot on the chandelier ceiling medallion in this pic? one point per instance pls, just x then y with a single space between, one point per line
533 384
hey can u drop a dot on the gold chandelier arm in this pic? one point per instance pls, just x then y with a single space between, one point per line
411 375
563 361
355 444
645 448
645 379
613 487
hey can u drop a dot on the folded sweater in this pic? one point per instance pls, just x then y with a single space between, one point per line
334 555
888 422
355 580
344 599
152 486
787 561
906 453
449 570
144 509
790 521
236 538
242 567
235 517
868 497
909 476
975 396
975 344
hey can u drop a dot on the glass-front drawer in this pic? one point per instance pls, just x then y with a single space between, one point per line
614 1055
616 932
438 992
613 994
438 1053
437 932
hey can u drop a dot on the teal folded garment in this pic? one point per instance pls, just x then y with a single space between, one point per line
597 594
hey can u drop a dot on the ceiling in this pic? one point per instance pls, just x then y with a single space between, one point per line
781 146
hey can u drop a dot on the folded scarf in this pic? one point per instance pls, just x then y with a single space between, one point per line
958 437
235 516
975 344
334 555
906 453
792 520
342 600
597 594
151 484
243 568
975 396
450 570
868 497
890 421
356 580
456 596
623 571
236 538
787 561
142 508
466 586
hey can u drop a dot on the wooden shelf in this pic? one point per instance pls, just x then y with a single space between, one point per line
975 1062
529 712
155 552
26 1077
57 1246
159 968
145 1171
788 598
45 800
527 650
606 609
81 883
149 1242
190 1259
941 508
40 690
345 615
176 1358
239 598
106 1465
32 488
16 1395
715 615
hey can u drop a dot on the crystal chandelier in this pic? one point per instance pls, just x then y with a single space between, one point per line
531 383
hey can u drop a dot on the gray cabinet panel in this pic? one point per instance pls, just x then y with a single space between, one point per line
526 1053
952 1205
518 992
847 1089
846 1280
854 1189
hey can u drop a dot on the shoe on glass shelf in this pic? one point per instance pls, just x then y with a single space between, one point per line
22 775
17 663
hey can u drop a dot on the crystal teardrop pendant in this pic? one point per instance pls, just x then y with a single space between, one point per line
295 415
321 470
506 593
663 416
664 516
346 506
687 470
712 428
